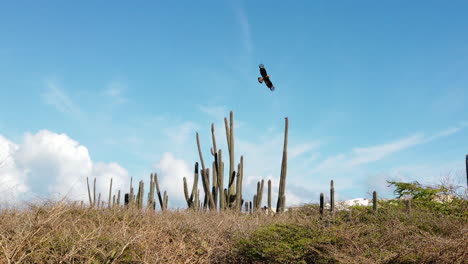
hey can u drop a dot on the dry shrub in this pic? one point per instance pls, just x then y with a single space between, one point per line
64 233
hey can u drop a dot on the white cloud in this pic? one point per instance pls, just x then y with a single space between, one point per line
364 155
51 164
12 180
171 172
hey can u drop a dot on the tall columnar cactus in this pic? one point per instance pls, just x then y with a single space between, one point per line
131 193
332 198
162 200
322 204
214 186
269 196
151 201
466 161
118 198
259 195
230 139
240 176
209 201
110 194
139 198
94 193
192 200
91 203
165 201
374 201
284 165
220 177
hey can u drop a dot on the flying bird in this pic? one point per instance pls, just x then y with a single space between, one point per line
265 78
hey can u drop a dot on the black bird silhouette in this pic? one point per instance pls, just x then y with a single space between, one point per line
265 78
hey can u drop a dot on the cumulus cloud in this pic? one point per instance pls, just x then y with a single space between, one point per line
12 180
171 172
54 165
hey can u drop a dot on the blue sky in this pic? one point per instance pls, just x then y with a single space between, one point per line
372 90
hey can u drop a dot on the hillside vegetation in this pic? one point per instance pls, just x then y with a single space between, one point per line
60 232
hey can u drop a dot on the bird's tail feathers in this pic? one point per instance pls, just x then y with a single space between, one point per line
260 79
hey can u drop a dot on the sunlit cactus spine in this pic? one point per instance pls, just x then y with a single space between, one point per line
284 165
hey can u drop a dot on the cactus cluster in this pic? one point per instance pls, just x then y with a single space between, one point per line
131 199
216 196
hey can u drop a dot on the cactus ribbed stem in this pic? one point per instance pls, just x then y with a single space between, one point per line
158 191
240 176
110 194
284 165
232 174
131 199
269 196
220 172
260 194
466 161
214 150
126 199
214 186
206 187
151 201
374 201
89 193
118 197
165 201
187 198
332 198
94 193
322 204
99 200
200 152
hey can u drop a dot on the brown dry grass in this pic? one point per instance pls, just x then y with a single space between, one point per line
64 233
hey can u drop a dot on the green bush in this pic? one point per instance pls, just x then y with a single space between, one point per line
287 243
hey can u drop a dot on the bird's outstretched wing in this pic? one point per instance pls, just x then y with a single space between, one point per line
269 84
263 72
